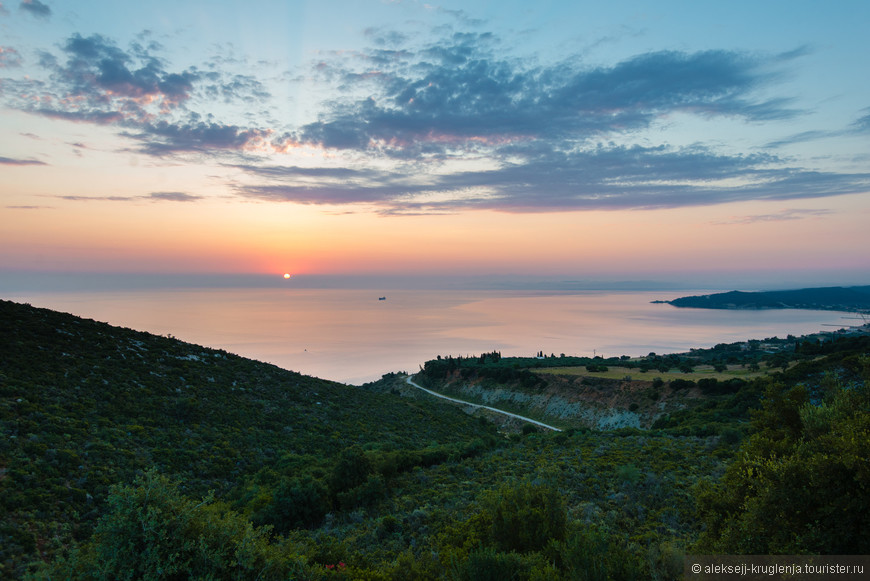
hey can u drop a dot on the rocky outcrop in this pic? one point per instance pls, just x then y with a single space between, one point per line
593 402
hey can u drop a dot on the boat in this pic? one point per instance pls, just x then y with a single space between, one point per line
382 298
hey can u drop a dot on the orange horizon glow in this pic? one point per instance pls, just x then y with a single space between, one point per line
286 238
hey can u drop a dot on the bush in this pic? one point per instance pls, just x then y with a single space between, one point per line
367 494
351 470
592 555
525 517
709 385
490 565
296 503
151 531
800 484
682 384
529 429
628 474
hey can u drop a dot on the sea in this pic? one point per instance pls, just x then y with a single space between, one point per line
355 336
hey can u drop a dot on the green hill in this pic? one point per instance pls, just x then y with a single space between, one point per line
86 405
837 298
127 455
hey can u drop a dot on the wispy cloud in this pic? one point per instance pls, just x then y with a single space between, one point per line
172 197
35 8
154 197
781 216
9 57
13 161
862 124
607 177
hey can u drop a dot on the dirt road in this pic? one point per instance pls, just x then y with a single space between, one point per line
410 382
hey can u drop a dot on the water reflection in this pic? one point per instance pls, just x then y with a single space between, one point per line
351 336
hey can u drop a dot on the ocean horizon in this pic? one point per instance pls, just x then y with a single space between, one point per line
357 335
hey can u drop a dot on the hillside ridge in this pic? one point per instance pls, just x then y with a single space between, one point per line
836 298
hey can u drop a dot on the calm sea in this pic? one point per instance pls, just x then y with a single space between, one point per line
353 337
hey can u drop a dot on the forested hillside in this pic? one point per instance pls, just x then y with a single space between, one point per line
856 298
126 455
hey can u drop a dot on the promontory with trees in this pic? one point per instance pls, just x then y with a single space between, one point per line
835 298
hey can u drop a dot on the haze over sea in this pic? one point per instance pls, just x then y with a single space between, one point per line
349 335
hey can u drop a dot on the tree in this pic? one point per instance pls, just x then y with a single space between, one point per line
296 503
351 470
802 482
526 516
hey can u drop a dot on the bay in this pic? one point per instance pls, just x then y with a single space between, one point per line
350 336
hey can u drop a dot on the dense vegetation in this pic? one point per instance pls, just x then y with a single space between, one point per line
132 456
827 298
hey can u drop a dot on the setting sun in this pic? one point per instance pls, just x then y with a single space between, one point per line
286 275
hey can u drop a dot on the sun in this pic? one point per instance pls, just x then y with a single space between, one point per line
286 275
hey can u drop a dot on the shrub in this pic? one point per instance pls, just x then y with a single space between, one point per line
525 517
296 503
490 565
151 531
351 470
592 555
367 494
628 474
800 484
682 384
529 429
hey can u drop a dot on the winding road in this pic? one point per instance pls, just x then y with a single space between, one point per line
411 382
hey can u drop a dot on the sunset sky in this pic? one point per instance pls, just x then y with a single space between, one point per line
608 140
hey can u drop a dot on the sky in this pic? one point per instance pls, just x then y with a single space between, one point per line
621 140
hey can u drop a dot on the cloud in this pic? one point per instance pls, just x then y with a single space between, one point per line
862 124
445 125
35 8
154 196
233 87
781 216
9 57
193 135
547 137
95 81
172 197
102 72
457 95
12 161
606 177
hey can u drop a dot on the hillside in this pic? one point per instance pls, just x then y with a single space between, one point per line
622 392
131 456
86 405
856 298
